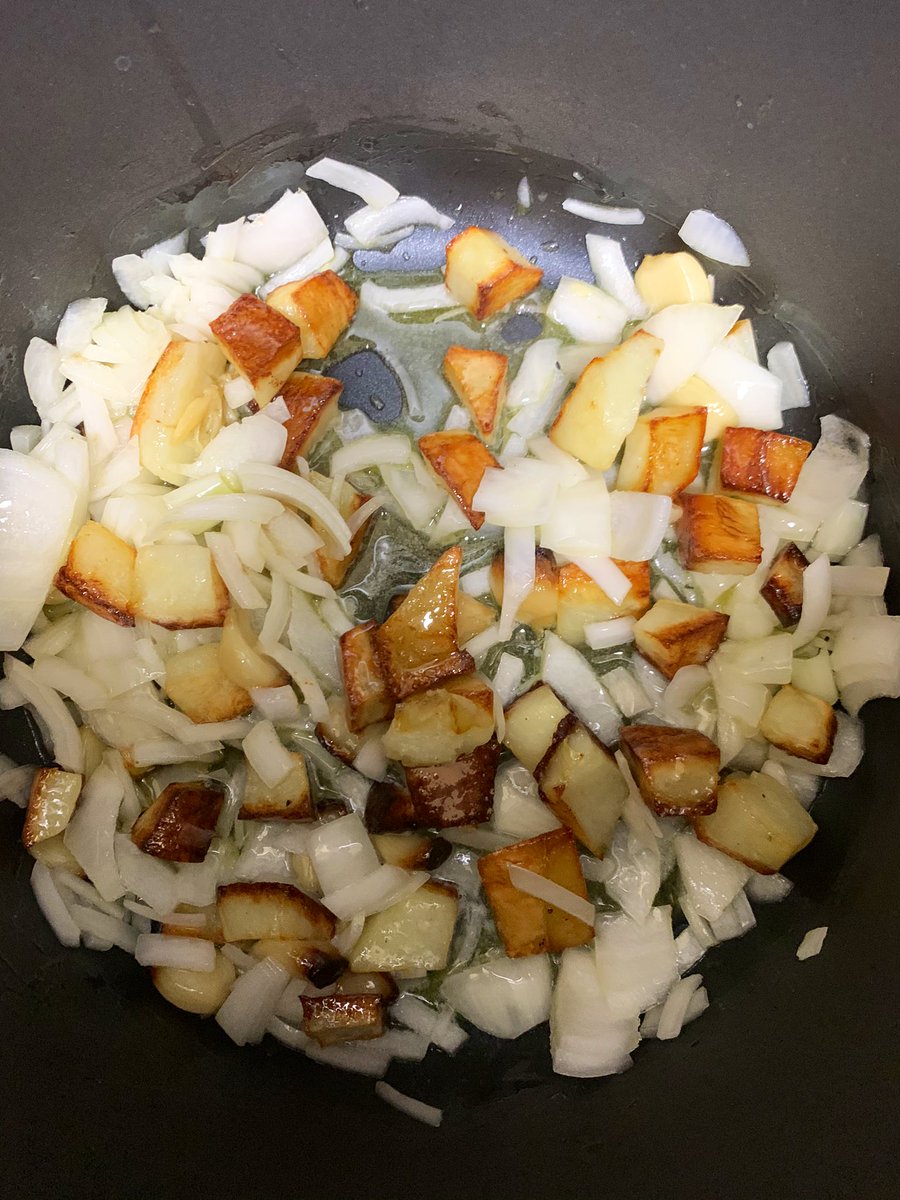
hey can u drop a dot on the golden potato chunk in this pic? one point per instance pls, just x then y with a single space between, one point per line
676 770
758 821
664 279
478 379
198 992
697 393
412 936
334 570
179 824
196 683
783 589
719 535
241 658
260 343
312 401
800 724
315 959
582 601
178 587
459 460
759 464
412 851
601 410
582 785
321 307
418 644
484 273
99 573
673 635
54 794
369 699
531 723
390 809
539 608
455 793
662 452
330 1020
472 617
441 724
249 911
526 924
289 800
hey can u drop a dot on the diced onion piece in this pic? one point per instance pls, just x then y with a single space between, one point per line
714 238
710 879
684 687
322 257
285 232
587 313
418 496
240 586
266 755
520 495
519 811
866 659
255 439
63 677
543 888
476 583
424 298
90 835
688 951
571 471
342 853
674 1011
628 695
523 193
604 572
754 393
586 1040
607 259
371 761
579 523
573 680
735 921
833 472
768 889
690 332
426 1113
605 214
369 224
386 885
639 523
840 532
300 493
539 379
783 362
251 1003
635 962
302 675
53 906
812 943
816 601
859 581
504 997
67 746
276 704
372 451
76 329
371 188
183 953
509 675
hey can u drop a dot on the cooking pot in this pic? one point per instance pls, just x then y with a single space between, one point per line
122 123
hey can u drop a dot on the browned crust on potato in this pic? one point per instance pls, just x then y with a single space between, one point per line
369 697
761 463
179 825
330 1020
312 401
321 306
783 589
389 809
256 338
540 606
689 642
478 379
646 745
455 793
281 893
718 533
459 460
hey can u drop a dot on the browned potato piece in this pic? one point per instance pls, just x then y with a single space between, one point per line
417 645
459 460
760 464
472 617
783 589
54 794
367 983
179 824
260 343
99 573
582 601
312 401
389 809
758 821
485 273
531 723
478 378
321 307
241 657
250 911
718 535
413 935
335 734
289 800
198 992
210 930
800 724
441 724
539 608
333 1019
334 570
662 452
315 960
414 851
582 785
369 698
178 587
196 683
526 924
455 793
673 635
676 770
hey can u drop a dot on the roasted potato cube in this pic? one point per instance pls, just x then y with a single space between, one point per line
484 273
783 589
472 617
531 722
697 393
800 724
389 809
196 683
676 770
759 464
260 343
335 734
315 960
440 725
459 460
412 935
330 1020
455 793
199 992
321 307
582 785
582 601
54 794
478 378
664 279
673 635
289 800
241 658
662 452
312 401
600 411
250 911
758 821
369 698
210 929
539 608
178 587
526 924
99 573
413 851
179 824
719 535
181 408
417 645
